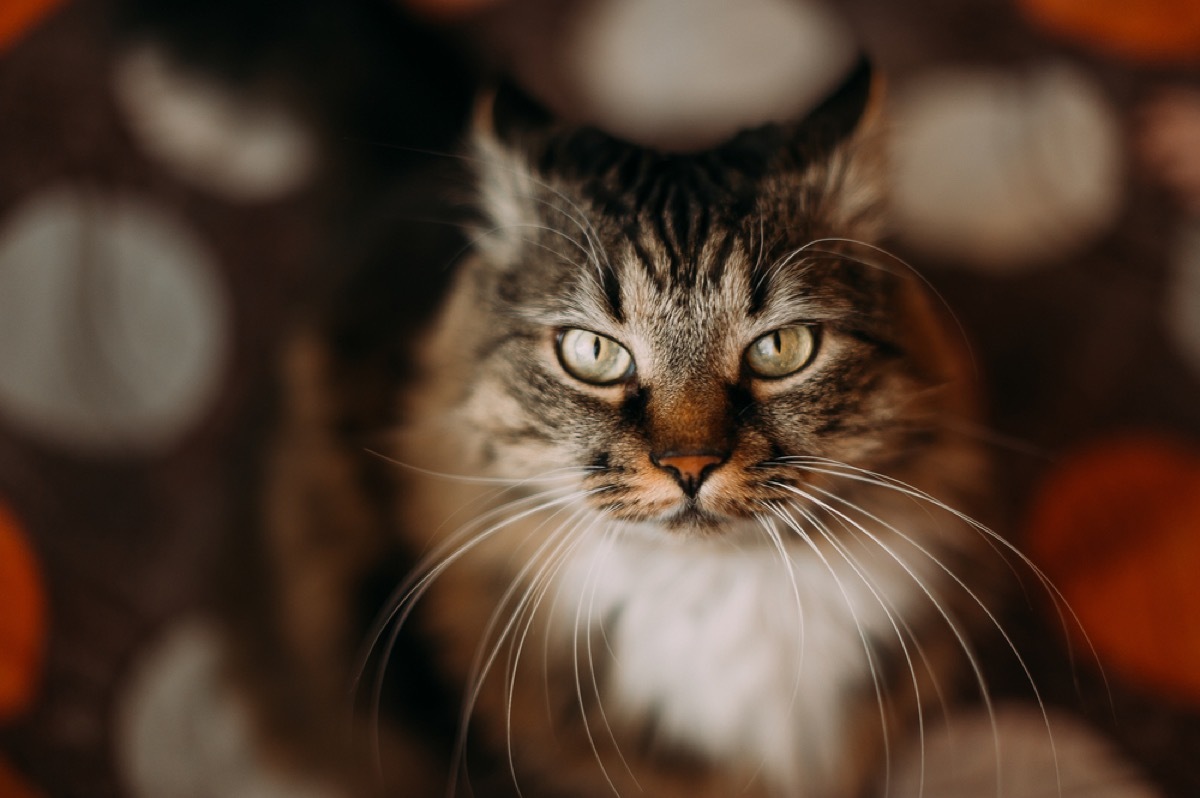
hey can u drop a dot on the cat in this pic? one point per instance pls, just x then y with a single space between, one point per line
678 499
684 458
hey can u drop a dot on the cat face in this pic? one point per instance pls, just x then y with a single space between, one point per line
678 329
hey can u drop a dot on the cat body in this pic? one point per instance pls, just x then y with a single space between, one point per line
684 466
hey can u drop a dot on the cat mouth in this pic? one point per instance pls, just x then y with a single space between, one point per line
657 506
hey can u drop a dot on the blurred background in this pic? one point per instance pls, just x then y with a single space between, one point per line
182 184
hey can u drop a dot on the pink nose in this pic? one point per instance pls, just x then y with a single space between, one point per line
689 470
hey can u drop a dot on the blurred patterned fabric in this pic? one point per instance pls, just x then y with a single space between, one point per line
181 183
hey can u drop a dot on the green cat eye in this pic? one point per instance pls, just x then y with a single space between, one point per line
593 358
781 352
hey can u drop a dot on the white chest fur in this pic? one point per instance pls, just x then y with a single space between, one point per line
736 658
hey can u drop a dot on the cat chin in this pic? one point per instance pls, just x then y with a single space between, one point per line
690 523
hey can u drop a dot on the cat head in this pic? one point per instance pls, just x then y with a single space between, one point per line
676 329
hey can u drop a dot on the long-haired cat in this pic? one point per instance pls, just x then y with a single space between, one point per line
685 466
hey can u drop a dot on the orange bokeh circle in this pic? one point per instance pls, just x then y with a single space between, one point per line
1151 31
23 622
1117 529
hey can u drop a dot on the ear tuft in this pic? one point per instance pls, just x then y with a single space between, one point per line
509 115
510 130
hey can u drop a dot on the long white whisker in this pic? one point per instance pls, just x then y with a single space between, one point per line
953 626
587 254
920 498
589 580
453 547
996 439
439 559
527 607
564 473
994 539
546 581
896 621
786 562
416 586
794 525
522 174
609 539
767 276
777 541
908 267
481 234
582 222
482 664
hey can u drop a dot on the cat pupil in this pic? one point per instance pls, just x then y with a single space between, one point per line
596 347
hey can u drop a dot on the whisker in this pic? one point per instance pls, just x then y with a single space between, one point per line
482 235
581 221
444 555
579 217
977 669
546 580
776 539
589 579
561 540
907 267
415 586
896 621
876 680
994 539
609 540
766 276
481 665
438 559
996 439
877 479
566 472
951 624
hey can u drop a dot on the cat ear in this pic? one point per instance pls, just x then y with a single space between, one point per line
839 154
512 118
850 108
517 118
509 129
811 142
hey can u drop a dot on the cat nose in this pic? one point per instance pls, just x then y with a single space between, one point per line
689 468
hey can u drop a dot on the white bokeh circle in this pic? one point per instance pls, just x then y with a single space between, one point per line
114 325
238 146
1183 293
183 730
1004 170
658 76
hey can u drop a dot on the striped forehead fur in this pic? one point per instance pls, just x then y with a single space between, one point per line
669 229
673 209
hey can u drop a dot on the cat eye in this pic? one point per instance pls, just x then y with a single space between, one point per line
782 352
593 358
